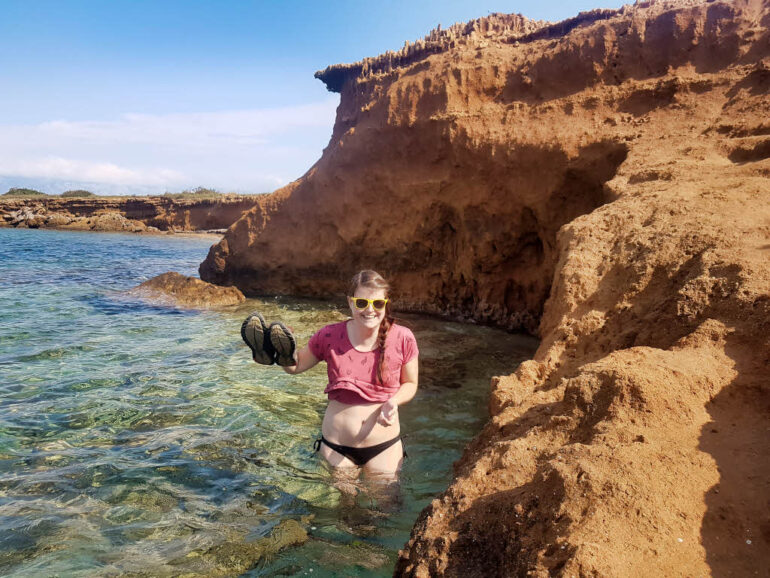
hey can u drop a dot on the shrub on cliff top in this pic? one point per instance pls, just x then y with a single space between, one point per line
197 193
24 193
77 193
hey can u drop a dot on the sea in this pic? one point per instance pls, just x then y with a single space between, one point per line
142 440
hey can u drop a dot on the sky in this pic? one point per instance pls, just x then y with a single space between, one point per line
153 96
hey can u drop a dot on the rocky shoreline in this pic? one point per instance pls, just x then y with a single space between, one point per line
127 214
177 290
604 185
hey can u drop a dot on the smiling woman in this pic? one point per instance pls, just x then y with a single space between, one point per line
372 370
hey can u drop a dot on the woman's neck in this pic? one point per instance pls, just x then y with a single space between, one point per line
363 335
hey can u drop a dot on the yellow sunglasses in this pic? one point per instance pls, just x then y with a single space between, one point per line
362 303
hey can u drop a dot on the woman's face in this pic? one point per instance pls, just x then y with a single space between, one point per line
369 317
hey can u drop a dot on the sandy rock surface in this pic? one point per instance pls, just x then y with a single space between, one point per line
605 183
179 290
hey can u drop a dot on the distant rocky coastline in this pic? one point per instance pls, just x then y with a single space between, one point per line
126 214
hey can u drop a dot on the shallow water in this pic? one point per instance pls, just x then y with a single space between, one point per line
142 440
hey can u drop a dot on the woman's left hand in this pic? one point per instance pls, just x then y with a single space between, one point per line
388 413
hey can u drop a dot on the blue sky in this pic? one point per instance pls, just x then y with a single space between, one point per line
144 97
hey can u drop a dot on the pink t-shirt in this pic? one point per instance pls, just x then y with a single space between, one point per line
354 371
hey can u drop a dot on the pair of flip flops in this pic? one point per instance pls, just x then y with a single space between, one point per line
269 345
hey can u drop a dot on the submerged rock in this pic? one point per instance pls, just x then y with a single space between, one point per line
233 558
357 553
176 289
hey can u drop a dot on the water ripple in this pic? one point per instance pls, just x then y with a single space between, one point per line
138 439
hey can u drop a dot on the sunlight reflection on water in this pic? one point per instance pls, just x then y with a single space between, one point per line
143 440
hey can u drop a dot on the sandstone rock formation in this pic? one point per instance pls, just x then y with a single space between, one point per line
135 214
179 290
35 217
603 182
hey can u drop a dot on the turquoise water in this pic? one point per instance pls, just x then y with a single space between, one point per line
142 440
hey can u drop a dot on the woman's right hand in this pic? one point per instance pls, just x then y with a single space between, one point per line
388 413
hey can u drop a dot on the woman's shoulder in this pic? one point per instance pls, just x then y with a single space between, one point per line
404 342
401 331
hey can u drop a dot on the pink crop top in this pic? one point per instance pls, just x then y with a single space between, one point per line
352 373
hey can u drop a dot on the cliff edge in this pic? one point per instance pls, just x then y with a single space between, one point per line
604 183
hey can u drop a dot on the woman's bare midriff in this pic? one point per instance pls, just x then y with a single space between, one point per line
356 425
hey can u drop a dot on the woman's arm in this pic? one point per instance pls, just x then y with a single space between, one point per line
305 360
409 375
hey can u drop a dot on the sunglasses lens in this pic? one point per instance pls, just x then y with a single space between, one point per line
378 304
360 303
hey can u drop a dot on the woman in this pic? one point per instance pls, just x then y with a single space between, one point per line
372 369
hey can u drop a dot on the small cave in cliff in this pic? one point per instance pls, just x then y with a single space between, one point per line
582 189
486 250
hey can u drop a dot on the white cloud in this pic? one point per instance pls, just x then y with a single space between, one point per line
53 168
248 150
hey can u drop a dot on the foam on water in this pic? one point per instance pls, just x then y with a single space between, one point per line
143 440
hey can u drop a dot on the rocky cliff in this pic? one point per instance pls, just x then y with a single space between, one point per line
126 213
605 183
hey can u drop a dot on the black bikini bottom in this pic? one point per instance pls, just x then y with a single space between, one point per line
358 456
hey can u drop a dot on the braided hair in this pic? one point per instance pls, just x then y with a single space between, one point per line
374 280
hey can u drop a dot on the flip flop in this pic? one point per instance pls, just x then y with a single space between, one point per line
282 340
254 333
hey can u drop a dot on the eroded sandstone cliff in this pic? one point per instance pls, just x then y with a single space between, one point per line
604 182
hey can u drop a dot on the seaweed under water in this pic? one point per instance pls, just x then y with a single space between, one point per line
143 441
